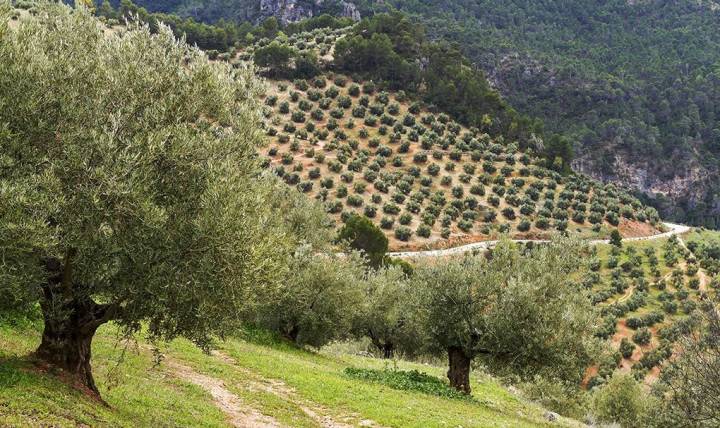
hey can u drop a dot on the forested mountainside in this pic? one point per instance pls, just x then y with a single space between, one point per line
632 84
249 10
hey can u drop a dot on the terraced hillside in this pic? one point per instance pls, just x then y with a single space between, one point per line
425 179
648 292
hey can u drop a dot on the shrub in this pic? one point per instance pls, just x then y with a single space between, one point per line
626 348
424 231
355 201
642 336
407 381
403 233
298 117
387 223
509 213
391 208
621 401
524 225
368 87
354 90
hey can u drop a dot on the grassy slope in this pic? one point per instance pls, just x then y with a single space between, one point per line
277 380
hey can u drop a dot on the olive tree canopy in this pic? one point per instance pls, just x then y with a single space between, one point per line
129 188
524 312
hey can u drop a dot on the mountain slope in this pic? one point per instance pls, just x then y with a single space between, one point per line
428 180
633 84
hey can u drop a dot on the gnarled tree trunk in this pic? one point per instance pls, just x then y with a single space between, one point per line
67 345
71 319
292 333
459 371
388 351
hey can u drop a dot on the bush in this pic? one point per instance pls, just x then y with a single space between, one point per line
626 348
424 231
524 225
642 336
354 90
408 381
621 401
362 234
403 233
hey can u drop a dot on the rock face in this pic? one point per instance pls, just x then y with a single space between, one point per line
287 11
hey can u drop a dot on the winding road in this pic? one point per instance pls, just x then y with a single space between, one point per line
674 229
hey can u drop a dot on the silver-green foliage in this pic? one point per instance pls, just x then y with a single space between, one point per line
525 312
319 297
130 159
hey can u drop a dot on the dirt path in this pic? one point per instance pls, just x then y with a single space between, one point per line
238 414
286 393
675 229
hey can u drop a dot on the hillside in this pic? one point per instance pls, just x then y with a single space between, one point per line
630 83
648 293
257 383
424 178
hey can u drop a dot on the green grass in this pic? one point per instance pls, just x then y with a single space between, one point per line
271 377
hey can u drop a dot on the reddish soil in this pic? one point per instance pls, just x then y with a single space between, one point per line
636 229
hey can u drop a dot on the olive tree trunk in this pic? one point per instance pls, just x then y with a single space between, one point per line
459 369
71 319
68 346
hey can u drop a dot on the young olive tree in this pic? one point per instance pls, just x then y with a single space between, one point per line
318 299
522 312
129 185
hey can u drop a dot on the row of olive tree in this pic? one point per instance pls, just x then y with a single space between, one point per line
521 312
131 193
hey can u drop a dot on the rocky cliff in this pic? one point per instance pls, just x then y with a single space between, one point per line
295 10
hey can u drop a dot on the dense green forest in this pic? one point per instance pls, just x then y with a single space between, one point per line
632 84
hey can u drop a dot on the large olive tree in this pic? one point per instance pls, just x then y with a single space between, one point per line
522 311
129 189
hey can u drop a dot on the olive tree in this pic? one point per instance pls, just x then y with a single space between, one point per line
318 298
520 311
383 314
129 185
692 381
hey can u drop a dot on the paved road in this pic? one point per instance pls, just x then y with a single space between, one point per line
674 229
